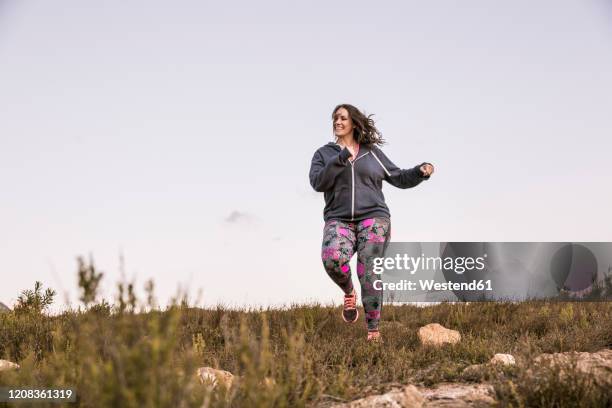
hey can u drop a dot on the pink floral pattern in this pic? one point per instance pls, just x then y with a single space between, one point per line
367 238
360 269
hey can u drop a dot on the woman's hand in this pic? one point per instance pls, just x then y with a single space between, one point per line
427 169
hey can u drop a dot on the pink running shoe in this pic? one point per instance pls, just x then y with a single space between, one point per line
374 335
350 314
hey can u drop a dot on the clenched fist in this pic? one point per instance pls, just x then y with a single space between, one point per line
427 169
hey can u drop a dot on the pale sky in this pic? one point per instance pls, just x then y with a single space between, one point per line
180 133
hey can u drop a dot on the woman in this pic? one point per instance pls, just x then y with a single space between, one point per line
350 172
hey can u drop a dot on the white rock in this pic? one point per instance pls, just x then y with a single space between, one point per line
435 334
214 377
409 397
459 395
7 365
503 359
597 365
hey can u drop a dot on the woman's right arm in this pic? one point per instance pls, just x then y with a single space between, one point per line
322 175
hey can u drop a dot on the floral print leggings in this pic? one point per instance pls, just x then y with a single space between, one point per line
369 238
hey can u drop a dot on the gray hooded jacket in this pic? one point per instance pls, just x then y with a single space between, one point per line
353 190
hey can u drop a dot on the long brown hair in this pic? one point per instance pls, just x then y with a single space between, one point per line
365 130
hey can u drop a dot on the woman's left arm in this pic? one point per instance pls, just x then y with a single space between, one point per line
402 178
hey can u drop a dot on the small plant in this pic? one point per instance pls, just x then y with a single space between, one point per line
199 344
566 314
34 302
126 297
89 280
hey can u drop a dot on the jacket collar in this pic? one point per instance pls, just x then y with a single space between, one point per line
363 149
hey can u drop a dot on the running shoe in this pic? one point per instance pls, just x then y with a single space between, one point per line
374 336
350 314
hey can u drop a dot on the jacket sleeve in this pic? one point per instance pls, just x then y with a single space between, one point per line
401 178
322 175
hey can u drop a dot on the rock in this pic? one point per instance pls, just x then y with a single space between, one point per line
4 308
474 372
7 365
214 377
598 365
408 397
503 359
443 395
459 395
478 372
435 334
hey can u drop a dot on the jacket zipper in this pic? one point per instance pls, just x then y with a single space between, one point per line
353 185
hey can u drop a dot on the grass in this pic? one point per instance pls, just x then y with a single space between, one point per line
308 355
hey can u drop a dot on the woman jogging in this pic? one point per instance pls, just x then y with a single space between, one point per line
350 172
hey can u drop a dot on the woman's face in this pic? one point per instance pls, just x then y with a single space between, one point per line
343 124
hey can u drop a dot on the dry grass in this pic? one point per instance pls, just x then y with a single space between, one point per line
117 357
